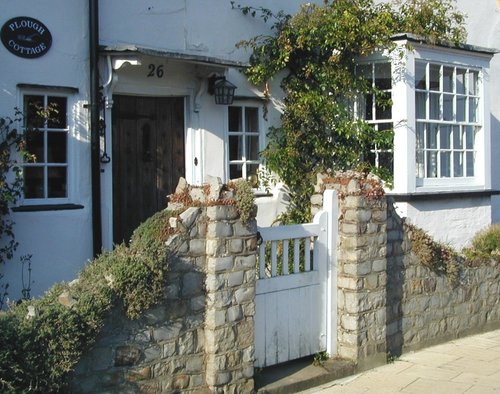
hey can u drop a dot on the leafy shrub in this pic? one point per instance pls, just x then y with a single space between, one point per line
245 200
485 245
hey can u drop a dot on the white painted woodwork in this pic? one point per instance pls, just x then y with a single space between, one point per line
291 308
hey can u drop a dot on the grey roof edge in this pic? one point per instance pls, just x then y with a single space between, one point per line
465 47
133 49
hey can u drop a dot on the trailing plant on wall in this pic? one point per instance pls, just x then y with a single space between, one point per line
12 153
318 49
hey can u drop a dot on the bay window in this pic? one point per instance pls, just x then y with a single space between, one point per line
439 114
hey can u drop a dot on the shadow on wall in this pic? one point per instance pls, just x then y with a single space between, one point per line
395 280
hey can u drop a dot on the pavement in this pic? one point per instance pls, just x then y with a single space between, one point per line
467 365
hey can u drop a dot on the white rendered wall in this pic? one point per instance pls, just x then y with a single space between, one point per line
60 241
451 221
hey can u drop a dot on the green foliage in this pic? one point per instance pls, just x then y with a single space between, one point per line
485 245
320 358
43 339
244 200
318 47
12 149
439 258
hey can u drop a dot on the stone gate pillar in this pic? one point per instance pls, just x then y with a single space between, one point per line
230 308
362 261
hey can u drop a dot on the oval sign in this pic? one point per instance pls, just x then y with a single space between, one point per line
26 37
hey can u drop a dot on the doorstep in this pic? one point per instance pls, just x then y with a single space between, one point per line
301 374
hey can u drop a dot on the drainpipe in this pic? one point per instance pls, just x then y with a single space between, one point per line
94 126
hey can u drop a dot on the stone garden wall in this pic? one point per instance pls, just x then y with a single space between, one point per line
388 302
200 339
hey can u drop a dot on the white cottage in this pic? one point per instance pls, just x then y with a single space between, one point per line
133 83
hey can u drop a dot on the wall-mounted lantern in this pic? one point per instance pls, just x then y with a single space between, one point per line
222 89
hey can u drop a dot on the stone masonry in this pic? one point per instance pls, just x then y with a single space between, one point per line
361 272
388 302
200 339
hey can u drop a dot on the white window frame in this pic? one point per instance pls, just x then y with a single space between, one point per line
244 161
404 117
49 92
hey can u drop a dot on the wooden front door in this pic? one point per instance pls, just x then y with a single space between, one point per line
148 158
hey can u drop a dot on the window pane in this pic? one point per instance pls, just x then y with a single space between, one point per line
420 105
235 119
369 107
33 105
434 71
445 164
235 171
470 163
383 76
447 107
235 147
457 138
458 164
252 148
473 104
434 104
383 109
420 136
448 79
431 164
460 109
473 85
432 130
365 71
35 144
469 137
460 81
445 137
33 182
420 75
251 119
56 182
420 164
57 112
56 147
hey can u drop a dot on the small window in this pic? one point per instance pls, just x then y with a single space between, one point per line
244 142
46 128
447 121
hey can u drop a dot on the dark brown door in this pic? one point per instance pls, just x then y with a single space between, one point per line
148 158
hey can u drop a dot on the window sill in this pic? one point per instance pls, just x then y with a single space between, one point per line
47 207
442 195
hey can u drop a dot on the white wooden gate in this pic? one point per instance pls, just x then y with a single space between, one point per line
295 307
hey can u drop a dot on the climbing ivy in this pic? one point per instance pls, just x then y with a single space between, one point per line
318 49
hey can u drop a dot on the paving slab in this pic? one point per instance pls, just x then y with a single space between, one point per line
468 365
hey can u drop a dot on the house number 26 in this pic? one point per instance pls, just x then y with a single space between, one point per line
155 70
